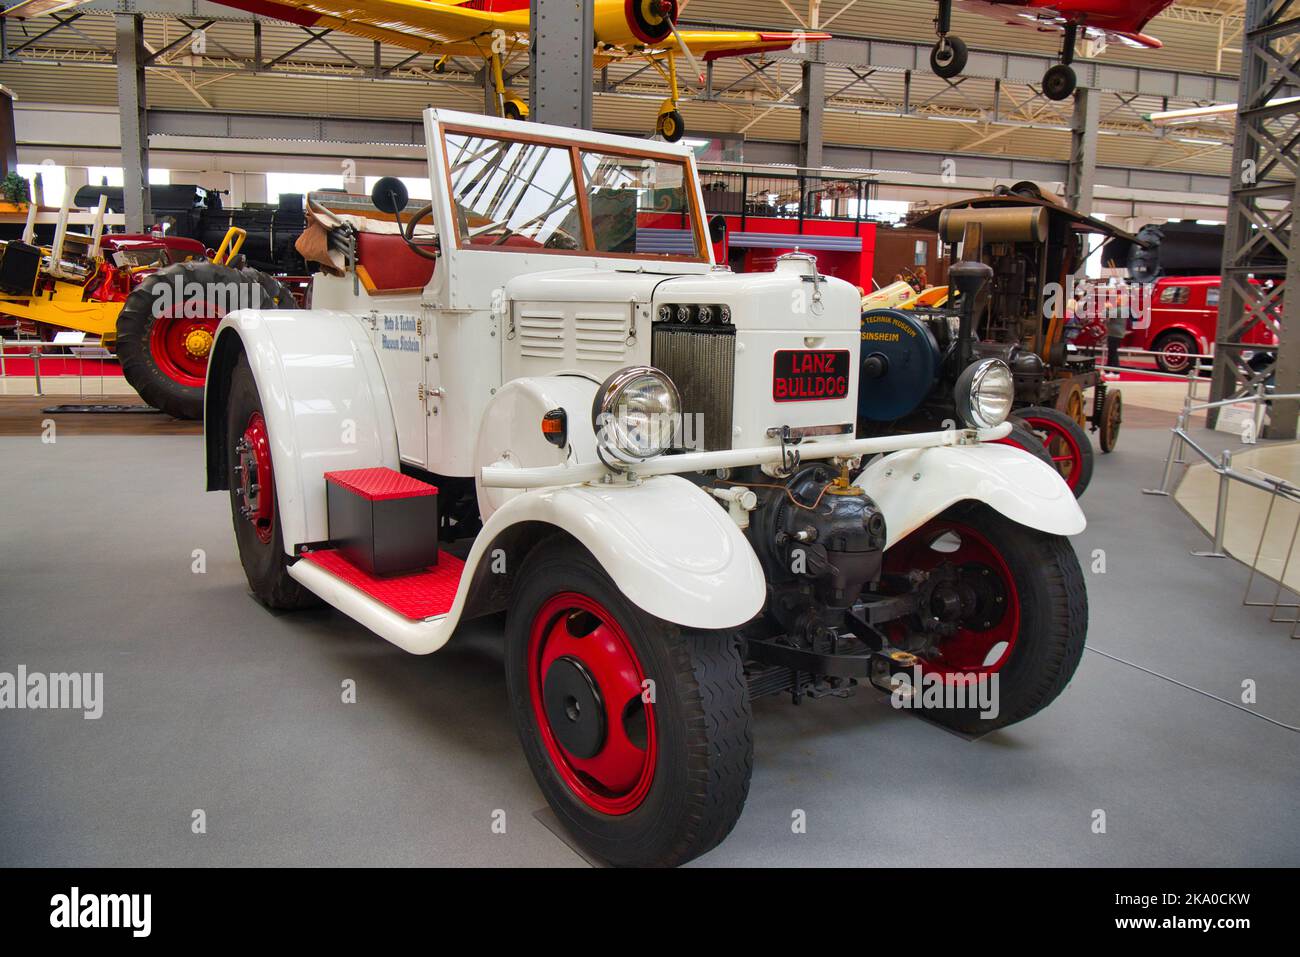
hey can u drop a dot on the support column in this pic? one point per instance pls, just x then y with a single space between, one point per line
135 132
1082 177
561 37
8 138
1261 249
812 106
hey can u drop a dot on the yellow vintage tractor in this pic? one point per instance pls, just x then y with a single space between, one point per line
155 301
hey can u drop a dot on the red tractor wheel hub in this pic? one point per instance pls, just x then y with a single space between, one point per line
972 579
255 477
587 688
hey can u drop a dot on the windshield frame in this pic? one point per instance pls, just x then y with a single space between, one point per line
582 187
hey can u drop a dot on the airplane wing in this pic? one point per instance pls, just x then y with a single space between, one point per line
1117 21
714 44
411 24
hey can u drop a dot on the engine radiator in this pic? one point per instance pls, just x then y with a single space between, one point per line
702 362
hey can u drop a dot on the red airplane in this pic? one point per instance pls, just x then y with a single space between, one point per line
1120 20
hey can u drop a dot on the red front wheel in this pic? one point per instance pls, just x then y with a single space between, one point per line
999 600
636 731
1065 441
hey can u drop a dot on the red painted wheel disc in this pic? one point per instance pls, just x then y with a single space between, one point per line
257 480
973 648
180 345
573 631
1062 446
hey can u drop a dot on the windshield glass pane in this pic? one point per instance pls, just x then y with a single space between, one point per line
513 195
639 205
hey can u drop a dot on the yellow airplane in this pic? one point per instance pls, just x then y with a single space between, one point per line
493 30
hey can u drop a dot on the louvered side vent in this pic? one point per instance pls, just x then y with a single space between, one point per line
601 336
541 333
703 365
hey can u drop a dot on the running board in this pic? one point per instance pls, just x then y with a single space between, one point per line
411 611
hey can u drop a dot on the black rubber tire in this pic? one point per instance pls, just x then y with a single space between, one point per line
1079 434
1164 340
1112 417
266 566
702 722
136 320
1059 82
1023 438
954 62
1053 619
670 126
512 111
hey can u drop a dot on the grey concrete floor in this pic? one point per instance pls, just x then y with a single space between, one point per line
212 703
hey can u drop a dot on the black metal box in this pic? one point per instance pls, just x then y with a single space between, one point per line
382 521
20 264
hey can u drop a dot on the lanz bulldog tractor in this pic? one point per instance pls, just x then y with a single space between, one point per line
519 398
1010 285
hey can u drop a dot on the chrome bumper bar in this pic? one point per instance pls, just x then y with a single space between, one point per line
495 476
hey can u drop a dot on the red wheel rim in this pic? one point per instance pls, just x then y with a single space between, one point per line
972 649
1062 446
1176 356
180 344
255 477
575 634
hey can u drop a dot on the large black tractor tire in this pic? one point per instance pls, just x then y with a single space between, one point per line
164 338
636 784
1066 442
260 543
1042 619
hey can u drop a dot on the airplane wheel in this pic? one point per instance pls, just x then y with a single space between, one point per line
671 126
1059 82
948 57
512 110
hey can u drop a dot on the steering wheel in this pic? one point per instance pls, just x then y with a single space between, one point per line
429 250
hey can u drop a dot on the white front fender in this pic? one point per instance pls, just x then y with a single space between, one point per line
913 486
667 545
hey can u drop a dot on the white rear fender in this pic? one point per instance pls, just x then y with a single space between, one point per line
323 398
666 544
913 486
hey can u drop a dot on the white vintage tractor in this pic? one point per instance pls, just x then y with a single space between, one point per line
538 394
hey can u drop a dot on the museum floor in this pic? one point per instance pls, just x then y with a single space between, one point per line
213 703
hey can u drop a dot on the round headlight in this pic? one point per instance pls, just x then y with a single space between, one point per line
635 415
984 393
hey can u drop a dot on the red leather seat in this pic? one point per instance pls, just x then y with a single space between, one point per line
390 264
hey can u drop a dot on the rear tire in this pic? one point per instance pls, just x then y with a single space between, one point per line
678 793
164 351
1042 586
261 549
1174 351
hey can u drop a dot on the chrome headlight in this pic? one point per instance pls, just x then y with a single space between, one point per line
635 415
984 393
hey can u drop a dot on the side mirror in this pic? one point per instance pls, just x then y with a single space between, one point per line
717 228
390 195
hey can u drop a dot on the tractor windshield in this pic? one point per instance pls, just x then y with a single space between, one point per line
530 195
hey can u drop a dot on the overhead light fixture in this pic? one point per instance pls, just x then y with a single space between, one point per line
1192 141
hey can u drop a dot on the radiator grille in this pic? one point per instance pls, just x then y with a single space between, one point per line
702 362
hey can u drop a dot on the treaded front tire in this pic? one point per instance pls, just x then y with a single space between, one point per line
261 551
1042 586
698 755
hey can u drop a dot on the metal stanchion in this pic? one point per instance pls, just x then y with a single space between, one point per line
1221 509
